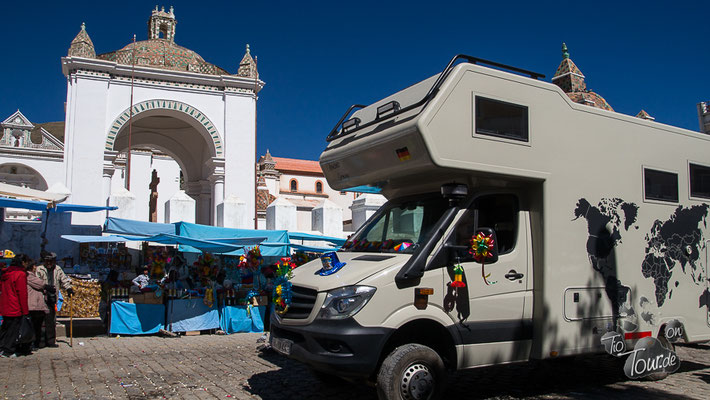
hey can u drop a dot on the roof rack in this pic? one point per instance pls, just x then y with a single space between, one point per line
347 126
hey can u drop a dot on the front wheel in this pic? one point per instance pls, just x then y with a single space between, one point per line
412 371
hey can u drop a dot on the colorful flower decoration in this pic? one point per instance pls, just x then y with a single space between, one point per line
157 266
402 246
281 296
482 248
254 259
458 278
206 268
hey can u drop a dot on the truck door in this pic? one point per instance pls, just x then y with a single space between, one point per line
489 312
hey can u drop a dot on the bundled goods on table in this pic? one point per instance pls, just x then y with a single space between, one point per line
85 301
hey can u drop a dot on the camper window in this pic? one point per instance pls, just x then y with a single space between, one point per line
660 185
501 119
699 181
499 212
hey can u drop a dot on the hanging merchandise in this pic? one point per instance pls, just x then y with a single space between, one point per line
281 296
209 297
482 248
458 278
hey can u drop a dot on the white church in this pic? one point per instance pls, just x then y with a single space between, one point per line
191 128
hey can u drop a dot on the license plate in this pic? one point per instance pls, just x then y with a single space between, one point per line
282 346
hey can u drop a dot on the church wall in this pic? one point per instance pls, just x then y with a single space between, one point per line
141 171
240 151
51 170
84 144
169 174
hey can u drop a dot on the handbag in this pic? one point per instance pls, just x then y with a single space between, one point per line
26 333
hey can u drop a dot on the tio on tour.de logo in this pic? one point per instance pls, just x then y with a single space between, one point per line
648 355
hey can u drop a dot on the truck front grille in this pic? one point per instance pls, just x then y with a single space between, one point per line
302 302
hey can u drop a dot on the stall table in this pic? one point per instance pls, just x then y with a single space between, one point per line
136 319
191 315
236 319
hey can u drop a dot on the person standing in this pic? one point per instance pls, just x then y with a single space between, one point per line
36 302
107 286
13 305
55 277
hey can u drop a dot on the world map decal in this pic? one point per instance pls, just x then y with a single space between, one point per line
677 242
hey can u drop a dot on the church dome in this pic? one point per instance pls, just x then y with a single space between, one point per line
165 54
572 81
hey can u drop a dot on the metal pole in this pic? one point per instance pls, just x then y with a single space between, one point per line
71 320
256 155
130 117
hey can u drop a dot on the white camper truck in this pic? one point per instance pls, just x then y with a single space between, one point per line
599 220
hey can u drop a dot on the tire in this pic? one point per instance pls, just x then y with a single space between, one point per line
658 376
411 372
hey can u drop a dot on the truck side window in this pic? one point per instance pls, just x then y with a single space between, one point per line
501 119
499 212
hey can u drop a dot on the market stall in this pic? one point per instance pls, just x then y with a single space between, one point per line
201 277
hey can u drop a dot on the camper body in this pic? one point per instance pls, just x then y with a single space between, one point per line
597 225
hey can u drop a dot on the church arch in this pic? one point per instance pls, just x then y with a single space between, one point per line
22 175
183 111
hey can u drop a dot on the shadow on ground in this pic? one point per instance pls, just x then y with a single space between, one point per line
592 377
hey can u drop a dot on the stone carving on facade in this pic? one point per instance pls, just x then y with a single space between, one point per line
18 132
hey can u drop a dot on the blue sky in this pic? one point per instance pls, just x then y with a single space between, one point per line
318 58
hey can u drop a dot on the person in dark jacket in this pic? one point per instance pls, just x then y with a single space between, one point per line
13 304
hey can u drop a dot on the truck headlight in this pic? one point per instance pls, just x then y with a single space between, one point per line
345 302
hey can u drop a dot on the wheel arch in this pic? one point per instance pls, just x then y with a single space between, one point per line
427 332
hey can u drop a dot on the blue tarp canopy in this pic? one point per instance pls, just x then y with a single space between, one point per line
212 246
93 239
230 241
364 189
312 237
42 206
275 244
132 227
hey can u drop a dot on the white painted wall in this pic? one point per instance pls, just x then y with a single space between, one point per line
95 101
51 170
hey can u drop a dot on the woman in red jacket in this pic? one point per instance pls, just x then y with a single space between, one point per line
13 304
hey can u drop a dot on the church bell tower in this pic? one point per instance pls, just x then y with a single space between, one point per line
162 23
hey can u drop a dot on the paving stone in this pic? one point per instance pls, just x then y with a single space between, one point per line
230 367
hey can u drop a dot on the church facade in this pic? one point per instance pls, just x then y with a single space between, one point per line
167 102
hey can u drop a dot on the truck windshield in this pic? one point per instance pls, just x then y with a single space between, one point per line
399 227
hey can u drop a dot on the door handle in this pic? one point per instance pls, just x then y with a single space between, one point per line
513 275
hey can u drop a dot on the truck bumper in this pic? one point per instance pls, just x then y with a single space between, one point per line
339 347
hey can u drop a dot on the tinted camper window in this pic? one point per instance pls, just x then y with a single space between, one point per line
699 181
660 185
501 119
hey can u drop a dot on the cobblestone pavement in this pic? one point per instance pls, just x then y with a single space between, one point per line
221 367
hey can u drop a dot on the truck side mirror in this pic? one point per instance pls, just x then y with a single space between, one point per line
487 243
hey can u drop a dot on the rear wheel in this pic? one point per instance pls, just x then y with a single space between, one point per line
657 376
411 372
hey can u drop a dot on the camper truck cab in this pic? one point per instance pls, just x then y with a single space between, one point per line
519 226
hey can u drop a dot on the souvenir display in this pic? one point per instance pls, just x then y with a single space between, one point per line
86 299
